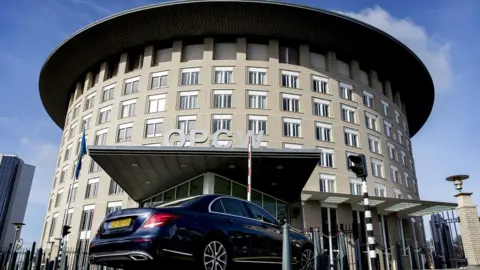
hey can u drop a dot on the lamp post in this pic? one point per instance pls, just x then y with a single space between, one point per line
468 216
18 230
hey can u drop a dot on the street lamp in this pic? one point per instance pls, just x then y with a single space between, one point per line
458 181
18 229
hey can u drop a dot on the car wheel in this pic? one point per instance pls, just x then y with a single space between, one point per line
214 256
307 259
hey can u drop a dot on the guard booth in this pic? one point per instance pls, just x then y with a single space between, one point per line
152 175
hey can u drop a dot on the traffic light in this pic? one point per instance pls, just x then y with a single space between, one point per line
65 230
359 166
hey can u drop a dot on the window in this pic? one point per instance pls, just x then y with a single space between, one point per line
159 80
368 99
113 207
50 203
323 132
69 217
220 122
414 184
257 100
67 152
405 127
52 225
406 179
377 168
260 214
124 133
397 117
326 158
222 98
153 128
380 190
72 194
346 91
371 121
292 127
320 84
86 122
223 75
188 100
348 114
395 174
101 137
404 158
321 107
374 144
190 76
355 187
63 174
289 55
290 103
89 101
351 137
257 123
131 86
290 79
398 193
72 130
409 197
104 115
92 188
128 108
327 183
388 128
392 153
76 110
412 166
400 136
234 207
186 123
87 218
108 93
94 167
156 103
257 76
58 199
114 188
386 108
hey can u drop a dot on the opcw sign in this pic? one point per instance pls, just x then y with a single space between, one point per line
199 136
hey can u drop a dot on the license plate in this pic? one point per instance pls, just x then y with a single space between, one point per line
121 223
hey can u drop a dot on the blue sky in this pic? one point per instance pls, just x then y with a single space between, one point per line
441 32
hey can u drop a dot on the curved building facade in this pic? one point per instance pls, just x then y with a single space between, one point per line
299 92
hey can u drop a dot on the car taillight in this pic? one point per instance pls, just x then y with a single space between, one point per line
158 219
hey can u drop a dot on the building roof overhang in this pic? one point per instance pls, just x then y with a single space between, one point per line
351 39
281 173
384 205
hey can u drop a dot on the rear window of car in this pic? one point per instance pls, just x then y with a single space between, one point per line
180 203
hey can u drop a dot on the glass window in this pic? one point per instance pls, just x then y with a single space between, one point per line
222 186
282 211
182 191
239 191
269 204
157 199
234 207
217 207
196 186
169 195
260 214
257 198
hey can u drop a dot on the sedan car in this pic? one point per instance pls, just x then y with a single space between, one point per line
212 231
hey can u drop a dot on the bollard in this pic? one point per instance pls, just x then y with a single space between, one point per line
286 250
316 248
30 258
38 259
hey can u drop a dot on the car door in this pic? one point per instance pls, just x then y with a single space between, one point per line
241 229
270 231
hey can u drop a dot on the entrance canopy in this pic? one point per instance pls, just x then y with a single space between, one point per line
143 171
384 205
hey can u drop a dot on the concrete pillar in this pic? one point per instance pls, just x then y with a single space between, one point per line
469 228
303 220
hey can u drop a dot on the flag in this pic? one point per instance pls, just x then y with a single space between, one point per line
82 152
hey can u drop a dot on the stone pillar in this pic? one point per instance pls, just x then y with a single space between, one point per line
303 220
469 222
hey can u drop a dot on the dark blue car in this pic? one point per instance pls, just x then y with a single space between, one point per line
212 231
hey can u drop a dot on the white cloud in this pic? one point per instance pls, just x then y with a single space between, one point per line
435 54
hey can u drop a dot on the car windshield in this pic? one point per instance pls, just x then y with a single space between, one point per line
180 202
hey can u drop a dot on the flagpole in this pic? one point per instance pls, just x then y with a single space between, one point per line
249 176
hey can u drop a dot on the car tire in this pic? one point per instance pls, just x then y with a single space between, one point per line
307 259
214 253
